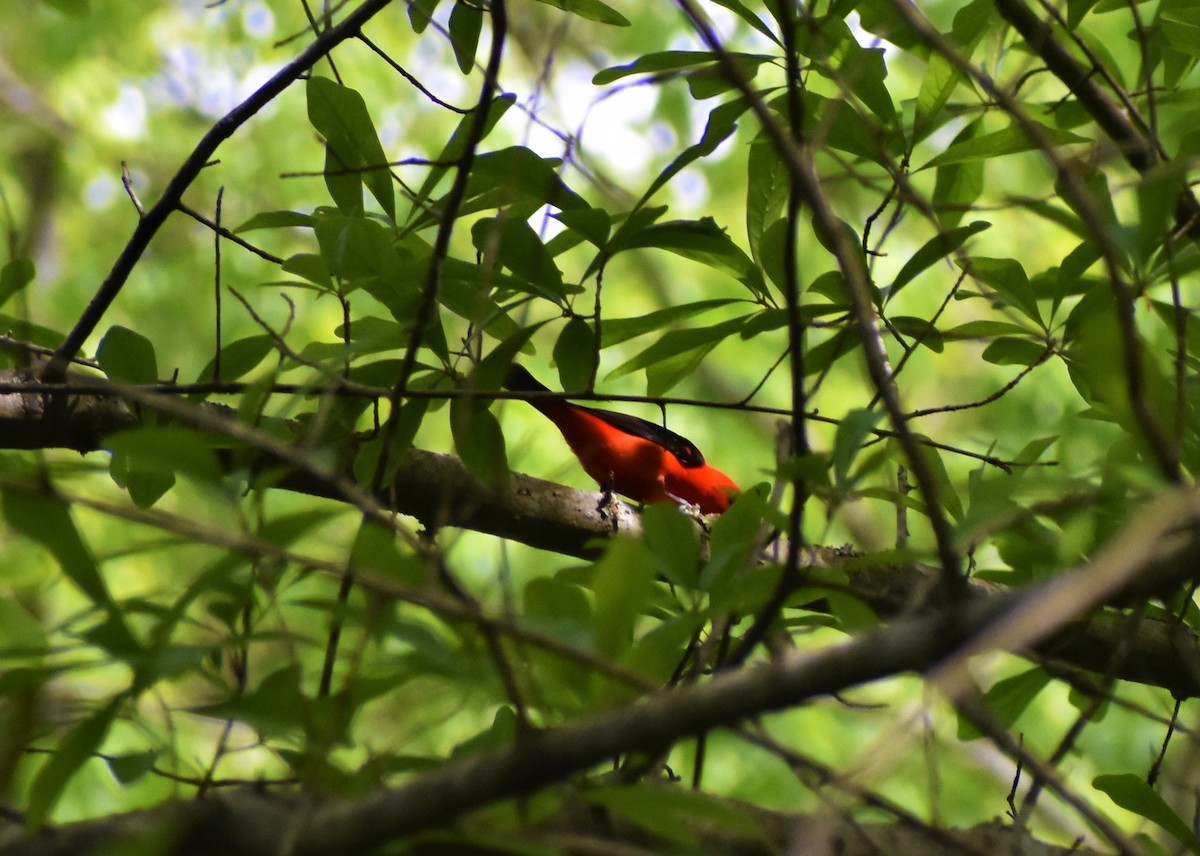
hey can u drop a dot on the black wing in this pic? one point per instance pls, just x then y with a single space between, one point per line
682 448
520 380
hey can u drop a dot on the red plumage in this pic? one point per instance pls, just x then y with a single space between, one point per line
639 459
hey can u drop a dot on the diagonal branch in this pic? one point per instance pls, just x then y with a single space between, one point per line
935 645
149 224
438 489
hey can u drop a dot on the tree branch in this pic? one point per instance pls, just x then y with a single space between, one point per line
149 224
439 491
935 645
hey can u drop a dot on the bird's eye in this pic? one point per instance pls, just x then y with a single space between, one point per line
688 455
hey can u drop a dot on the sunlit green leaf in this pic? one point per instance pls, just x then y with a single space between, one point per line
1132 793
937 247
1006 700
593 10
996 144
340 115
14 276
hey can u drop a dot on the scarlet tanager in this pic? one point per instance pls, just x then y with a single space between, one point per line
636 458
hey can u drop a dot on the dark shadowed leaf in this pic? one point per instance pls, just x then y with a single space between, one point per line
55 774
127 356
466 24
574 354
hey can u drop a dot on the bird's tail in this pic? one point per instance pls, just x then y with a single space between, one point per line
519 379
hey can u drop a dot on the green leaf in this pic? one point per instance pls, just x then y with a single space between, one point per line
310 267
1007 699
238 358
453 151
1014 351
739 9
947 494
557 605
924 333
275 708
514 244
825 354
1008 281
276 220
1158 191
131 766
492 369
47 521
710 81
171 449
767 186
1077 9
466 24
519 175
479 440
146 485
657 63
1098 368
1132 793
593 10
127 356
56 773
971 22
937 247
594 224
353 149
958 185
1010 140
701 241
734 536
852 431
677 342
355 248
833 123
617 330
573 354
623 581
862 70
671 536
14 276
722 122
420 14
376 550
344 182
34 333
678 814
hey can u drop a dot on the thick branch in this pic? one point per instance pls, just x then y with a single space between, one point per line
934 645
1138 149
439 491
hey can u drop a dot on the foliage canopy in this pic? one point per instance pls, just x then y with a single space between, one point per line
922 281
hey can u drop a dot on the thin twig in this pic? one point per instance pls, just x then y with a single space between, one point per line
224 128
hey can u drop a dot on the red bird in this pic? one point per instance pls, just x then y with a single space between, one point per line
638 459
